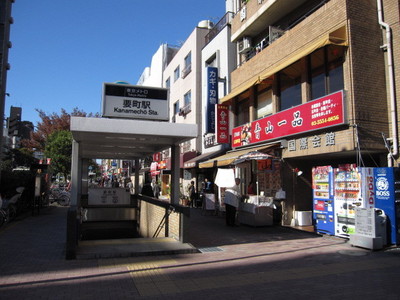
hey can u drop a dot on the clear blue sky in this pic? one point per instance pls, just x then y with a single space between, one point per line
63 50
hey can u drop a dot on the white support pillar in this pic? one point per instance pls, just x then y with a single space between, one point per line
137 190
76 173
85 177
175 172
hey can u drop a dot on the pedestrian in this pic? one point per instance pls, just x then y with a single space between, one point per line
156 189
147 190
207 186
114 182
130 186
192 194
232 199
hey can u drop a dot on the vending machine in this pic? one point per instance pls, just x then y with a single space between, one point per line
387 198
323 206
347 196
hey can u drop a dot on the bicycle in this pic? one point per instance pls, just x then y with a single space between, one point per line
59 195
3 213
8 206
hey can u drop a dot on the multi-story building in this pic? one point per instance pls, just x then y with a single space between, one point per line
153 75
314 85
183 78
5 21
218 60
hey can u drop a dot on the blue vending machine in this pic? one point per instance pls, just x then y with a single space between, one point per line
387 198
323 194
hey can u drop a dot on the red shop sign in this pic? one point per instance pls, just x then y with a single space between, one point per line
320 113
222 123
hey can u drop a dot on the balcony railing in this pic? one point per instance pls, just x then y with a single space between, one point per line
225 20
185 110
276 32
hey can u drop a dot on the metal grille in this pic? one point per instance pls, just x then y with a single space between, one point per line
210 249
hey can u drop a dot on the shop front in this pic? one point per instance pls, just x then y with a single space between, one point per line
259 170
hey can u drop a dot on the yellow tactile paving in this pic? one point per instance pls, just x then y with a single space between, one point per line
151 279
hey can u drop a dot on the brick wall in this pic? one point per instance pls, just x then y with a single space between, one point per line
364 67
151 216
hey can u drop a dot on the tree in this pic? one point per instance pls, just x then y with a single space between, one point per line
50 124
59 148
20 157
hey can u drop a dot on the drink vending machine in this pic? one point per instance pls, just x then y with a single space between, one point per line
347 196
387 198
323 207
337 192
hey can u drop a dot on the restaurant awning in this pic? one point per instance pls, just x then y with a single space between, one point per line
194 162
229 158
336 37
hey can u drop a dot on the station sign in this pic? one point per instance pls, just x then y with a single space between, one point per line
135 102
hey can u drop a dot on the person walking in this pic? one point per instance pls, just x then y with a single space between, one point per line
147 190
232 198
192 194
156 189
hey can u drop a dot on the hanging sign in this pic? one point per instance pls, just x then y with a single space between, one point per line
212 98
135 102
222 124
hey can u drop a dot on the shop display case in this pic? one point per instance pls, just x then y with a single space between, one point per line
256 211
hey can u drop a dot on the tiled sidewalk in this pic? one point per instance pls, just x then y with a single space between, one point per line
242 263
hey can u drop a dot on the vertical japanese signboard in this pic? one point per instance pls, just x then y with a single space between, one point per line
222 127
135 102
212 98
320 113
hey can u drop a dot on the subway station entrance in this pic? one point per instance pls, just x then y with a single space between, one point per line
106 138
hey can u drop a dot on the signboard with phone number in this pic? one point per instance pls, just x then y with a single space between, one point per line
320 113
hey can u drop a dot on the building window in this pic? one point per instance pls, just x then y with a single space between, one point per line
187 98
242 112
290 86
326 71
318 74
168 83
177 73
176 107
187 65
335 56
264 104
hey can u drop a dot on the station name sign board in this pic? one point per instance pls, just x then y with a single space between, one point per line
135 102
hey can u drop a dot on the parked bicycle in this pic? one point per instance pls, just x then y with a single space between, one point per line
8 206
3 213
60 195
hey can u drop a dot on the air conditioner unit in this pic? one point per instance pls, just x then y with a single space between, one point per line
244 45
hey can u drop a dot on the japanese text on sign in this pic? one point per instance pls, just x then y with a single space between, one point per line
320 113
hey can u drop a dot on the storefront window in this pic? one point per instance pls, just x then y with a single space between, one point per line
290 86
264 104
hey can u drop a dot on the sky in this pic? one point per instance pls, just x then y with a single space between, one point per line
64 50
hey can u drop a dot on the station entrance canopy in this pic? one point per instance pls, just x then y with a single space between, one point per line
127 139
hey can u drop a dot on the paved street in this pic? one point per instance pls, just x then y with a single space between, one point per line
234 263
